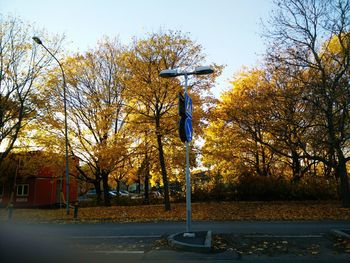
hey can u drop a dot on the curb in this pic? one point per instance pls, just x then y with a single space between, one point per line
190 246
339 232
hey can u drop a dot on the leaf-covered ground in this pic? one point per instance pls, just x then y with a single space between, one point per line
273 246
200 211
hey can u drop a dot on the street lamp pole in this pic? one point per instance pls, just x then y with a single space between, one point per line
39 42
170 73
188 179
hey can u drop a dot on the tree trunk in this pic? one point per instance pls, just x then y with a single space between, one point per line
344 182
118 189
98 191
146 171
138 187
257 159
296 167
265 169
164 173
107 200
146 199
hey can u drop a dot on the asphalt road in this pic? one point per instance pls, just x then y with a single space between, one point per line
145 242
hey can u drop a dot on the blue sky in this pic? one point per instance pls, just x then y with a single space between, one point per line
228 30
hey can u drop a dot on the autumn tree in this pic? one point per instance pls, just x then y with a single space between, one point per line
259 127
96 113
122 172
238 133
154 99
313 36
146 152
273 102
223 148
21 69
288 126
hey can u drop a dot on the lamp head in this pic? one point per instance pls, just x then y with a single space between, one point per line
37 40
204 70
168 73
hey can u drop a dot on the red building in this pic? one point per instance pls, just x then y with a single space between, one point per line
32 180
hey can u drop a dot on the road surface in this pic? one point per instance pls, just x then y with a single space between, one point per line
146 242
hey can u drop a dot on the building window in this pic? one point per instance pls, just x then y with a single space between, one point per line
22 189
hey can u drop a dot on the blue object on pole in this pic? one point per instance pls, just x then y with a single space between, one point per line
185 124
188 106
188 129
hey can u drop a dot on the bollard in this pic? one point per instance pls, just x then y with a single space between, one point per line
10 211
76 205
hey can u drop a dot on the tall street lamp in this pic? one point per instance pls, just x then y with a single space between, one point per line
39 42
186 131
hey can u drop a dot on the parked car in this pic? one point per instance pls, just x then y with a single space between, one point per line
124 193
85 198
137 196
92 193
155 194
112 194
121 192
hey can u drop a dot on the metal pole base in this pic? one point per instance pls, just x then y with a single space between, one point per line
76 205
189 234
10 212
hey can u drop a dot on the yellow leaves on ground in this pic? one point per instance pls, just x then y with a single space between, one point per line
200 211
270 211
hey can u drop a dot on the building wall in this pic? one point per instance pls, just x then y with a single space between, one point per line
40 192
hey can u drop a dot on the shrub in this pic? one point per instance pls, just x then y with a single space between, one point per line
314 188
264 188
254 188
